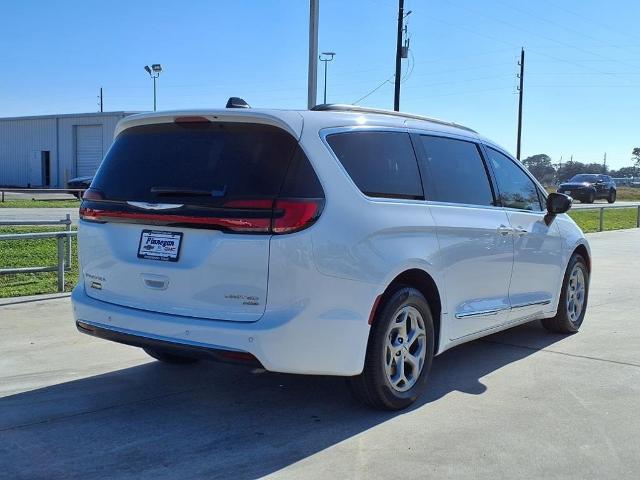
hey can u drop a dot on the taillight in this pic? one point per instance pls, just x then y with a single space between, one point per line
242 216
92 194
295 215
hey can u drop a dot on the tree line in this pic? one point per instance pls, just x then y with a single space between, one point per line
548 173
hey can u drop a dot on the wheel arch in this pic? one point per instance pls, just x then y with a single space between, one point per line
425 284
582 250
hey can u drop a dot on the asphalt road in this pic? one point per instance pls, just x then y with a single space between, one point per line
520 404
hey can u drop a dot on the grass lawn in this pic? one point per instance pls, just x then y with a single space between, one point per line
27 203
33 253
614 219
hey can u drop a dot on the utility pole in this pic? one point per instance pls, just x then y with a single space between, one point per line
101 104
520 92
396 95
312 80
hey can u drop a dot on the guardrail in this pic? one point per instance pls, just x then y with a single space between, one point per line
63 247
602 208
40 190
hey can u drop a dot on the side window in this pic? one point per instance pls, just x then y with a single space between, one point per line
456 171
517 190
381 164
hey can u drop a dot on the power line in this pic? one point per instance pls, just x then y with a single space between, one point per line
374 90
559 42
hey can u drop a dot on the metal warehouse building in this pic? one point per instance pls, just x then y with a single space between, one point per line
46 151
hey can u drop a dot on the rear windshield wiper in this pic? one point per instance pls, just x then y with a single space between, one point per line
191 192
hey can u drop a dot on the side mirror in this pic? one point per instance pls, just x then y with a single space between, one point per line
558 203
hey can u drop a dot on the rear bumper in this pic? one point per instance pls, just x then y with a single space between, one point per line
298 343
193 351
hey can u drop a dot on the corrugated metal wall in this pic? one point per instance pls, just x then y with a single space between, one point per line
22 140
19 139
67 163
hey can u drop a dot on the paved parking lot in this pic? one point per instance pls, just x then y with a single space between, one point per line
519 404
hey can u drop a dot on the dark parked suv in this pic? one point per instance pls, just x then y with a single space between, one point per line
588 187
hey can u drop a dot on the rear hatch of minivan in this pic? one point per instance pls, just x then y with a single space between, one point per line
180 215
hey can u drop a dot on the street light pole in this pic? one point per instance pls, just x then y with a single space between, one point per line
326 57
154 73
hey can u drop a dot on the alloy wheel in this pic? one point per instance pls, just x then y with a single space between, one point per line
575 293
405 348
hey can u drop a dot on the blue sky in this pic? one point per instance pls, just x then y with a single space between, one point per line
582 79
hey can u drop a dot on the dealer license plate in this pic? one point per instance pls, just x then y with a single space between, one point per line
160 245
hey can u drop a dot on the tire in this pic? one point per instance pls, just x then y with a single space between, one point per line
590 198
169 357
374 386
566 319
612 196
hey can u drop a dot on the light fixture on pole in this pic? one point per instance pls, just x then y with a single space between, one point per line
326 57
154 72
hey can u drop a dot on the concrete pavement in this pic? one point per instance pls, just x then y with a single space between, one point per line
520 404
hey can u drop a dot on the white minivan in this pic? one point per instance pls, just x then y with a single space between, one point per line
333 241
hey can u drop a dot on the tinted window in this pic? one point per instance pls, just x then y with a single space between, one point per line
456 171
583 177
301 180
516 189
382 164
228 160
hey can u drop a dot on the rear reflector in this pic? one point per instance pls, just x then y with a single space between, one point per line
237 356
374 309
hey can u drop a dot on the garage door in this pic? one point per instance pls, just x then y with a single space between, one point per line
88 149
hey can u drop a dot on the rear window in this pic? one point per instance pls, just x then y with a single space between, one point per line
201 163
381 164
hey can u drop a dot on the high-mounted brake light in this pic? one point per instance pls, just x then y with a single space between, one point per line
191 119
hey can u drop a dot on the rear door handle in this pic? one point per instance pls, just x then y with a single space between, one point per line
520 231
504 230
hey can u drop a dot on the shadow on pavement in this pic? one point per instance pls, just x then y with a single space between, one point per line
210 420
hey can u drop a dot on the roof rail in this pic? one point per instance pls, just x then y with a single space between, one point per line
338 107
